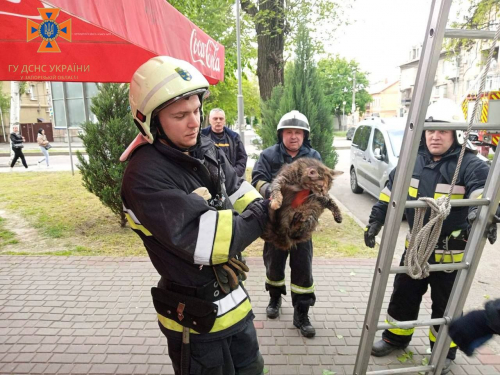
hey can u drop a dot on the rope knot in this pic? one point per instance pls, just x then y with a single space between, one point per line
423 239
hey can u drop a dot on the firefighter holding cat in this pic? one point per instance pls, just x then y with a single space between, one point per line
293 143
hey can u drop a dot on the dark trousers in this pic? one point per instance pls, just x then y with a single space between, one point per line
302 283
406 299
234 355
18 153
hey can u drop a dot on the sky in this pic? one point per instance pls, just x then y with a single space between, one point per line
382 35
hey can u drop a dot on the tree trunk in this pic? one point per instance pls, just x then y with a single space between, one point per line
339 118
270 42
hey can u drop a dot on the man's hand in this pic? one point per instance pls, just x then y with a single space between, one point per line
491 232
371 231
471 331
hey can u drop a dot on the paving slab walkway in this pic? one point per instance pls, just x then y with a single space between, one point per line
93 315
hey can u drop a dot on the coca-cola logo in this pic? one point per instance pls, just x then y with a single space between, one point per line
204 53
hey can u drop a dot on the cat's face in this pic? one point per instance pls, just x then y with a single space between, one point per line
319 179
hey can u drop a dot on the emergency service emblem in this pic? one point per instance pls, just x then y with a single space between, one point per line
49 30
185 75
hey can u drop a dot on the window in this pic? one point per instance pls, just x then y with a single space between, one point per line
32 92
379 142
361 137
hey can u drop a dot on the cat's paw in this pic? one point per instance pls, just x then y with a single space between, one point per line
276 200
337 216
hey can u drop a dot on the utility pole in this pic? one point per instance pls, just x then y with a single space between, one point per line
241 117
344 125
353 108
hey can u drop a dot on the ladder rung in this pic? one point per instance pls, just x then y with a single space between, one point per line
454 203
469 34
414 323
402 370
460 126
434 267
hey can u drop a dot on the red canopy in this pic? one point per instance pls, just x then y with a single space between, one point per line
98 40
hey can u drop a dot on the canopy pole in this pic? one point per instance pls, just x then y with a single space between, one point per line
66 114
241 118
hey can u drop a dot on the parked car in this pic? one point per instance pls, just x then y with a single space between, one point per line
350 133
374 153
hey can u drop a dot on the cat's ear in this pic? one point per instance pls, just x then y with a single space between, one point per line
335 173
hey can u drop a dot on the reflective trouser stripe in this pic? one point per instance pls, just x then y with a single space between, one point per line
214 237
245 195
275 283
301 290
400 331
412 192
433 334
221 323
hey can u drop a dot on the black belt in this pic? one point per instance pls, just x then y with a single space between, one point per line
208 292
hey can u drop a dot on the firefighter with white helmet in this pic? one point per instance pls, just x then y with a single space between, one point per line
432 175
195 216
293 143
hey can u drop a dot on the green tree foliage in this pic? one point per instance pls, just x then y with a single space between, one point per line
276 22
105 141
303 91
337 76
480 15
216 18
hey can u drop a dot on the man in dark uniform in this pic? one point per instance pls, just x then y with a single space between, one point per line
434 168
293 143
195 216
227 140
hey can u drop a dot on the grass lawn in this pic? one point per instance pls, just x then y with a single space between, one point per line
340 134
6 236
53 214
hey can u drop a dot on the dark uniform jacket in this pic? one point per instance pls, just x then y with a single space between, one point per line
433 179
272 159
183 234
234 149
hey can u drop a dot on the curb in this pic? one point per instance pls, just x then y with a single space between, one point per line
350 214
40 154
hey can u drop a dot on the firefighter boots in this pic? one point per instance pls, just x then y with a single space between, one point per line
382 348
273 309
301 321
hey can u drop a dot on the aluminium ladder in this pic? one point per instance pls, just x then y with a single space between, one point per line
435 34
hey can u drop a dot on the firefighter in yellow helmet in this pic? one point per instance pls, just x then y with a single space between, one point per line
432 175
195 217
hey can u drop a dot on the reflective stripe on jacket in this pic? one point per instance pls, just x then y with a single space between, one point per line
433 179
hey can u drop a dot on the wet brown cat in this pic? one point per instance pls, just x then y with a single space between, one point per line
299 195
